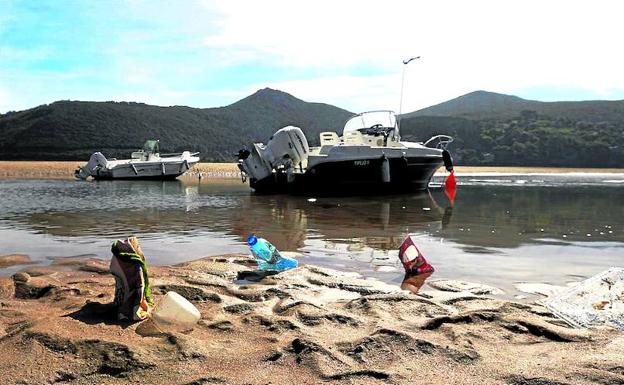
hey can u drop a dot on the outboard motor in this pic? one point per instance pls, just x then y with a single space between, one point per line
96 161
286 149
252 163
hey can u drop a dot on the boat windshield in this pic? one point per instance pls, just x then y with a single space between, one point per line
151 146
381 119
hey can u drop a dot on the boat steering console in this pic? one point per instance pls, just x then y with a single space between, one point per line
377 130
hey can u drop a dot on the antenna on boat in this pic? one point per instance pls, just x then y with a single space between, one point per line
405 63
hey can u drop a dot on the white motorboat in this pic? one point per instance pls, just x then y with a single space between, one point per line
146 163
369 156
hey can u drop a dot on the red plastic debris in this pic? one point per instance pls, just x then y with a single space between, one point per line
412 259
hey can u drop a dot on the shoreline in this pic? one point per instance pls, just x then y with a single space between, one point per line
522 291
308 325
65 170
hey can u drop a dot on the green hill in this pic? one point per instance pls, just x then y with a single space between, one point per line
497 129
70 130
489 128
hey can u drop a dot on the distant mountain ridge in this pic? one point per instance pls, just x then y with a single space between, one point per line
491 105
489 128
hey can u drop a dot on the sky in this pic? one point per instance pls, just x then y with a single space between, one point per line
211 53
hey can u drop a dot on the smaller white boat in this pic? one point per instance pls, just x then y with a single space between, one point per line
146 163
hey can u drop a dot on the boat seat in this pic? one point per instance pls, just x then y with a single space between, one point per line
374 141
137 155
329 138
353 138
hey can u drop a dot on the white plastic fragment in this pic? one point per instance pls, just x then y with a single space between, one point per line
598 300
175 311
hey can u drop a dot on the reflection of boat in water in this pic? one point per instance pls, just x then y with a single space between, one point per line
113 209
175 207
377 223
369 156
146 163
485 219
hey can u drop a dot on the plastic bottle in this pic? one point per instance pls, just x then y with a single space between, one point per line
268 256
175 312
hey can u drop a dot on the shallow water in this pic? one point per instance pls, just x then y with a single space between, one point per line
502 228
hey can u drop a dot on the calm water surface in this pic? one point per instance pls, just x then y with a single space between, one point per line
502 229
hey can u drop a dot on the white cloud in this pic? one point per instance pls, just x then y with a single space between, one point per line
347 53
502 46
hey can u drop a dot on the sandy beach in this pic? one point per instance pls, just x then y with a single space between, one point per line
310 325
65 170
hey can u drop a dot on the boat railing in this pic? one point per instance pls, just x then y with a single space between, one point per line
177 154
438 141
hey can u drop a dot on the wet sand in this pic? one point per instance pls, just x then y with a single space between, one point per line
306 326
65 170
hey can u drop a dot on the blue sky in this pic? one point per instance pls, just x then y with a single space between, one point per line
211 53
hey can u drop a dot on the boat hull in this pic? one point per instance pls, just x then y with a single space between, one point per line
146 171
355 177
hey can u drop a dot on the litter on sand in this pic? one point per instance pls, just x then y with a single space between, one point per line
175 312
598 300
413 260
267 255
132 288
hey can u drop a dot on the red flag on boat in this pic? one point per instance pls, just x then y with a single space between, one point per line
450 187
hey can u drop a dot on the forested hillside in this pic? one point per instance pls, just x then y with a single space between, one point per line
497 129
489 128
70 130
526 140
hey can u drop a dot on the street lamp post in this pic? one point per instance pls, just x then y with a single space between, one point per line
405 63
